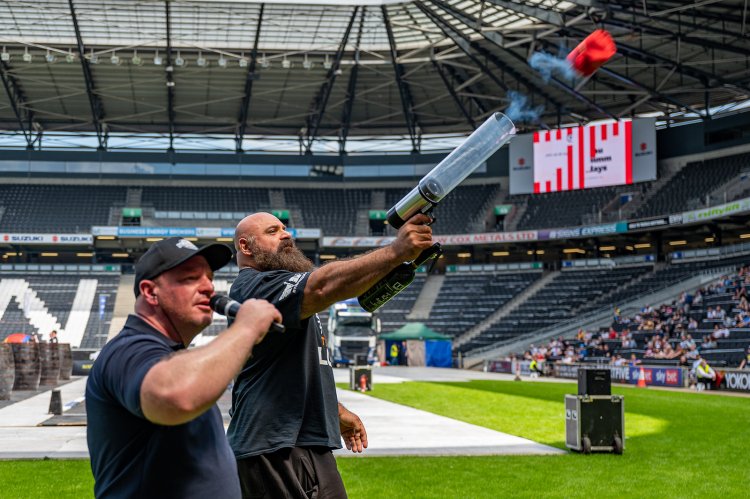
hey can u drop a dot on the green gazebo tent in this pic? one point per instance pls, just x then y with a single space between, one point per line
423 346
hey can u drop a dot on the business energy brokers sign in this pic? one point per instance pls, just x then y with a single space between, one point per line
42 239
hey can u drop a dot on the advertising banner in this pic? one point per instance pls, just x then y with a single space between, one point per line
593 230
658 376
450 240
721 210
202 232
737 380
499 366
568 371
55 239
648 224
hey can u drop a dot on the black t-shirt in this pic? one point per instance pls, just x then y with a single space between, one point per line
285 396
133 457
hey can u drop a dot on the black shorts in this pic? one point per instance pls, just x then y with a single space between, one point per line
298 472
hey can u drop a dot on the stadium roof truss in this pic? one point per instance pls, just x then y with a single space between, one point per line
322 74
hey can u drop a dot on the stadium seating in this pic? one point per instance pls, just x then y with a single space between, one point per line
687 188
50 300
467 299
393 314
66 208
564 209
206 199
334 211
569 294
462 211
57 208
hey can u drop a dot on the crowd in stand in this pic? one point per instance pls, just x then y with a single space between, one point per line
667 331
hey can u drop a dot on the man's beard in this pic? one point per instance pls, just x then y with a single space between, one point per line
287 257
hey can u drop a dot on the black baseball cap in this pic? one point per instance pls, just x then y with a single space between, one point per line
169 253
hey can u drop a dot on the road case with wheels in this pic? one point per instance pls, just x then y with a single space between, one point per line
595 423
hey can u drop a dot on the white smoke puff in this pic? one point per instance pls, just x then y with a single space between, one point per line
548 66
519 109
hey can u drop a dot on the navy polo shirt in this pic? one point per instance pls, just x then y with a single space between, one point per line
133 457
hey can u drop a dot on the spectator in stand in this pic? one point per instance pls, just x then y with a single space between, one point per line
634 361
718 332
743 304
692 353
684 362
742 320
688 342
618 361
708 343
53 336
720 312
693 324
710 314
670 353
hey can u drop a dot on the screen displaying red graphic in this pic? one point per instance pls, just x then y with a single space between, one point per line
598 155
583 157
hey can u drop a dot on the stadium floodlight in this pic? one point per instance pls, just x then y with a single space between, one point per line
26 56
179 61
93 58
327 63
70 57
306 63
264 62
114 59
157 59
50 57
135 60
222 61
201 61
243 60
5 56
286 63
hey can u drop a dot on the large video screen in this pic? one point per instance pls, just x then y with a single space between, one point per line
599 155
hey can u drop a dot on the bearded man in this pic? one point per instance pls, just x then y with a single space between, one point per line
286 418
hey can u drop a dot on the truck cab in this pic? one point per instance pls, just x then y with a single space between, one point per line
352 331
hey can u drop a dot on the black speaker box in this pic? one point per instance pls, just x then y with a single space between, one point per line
594 382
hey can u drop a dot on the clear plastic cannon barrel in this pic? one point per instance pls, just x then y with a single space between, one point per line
480 145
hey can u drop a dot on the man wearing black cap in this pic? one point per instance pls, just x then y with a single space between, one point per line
154 429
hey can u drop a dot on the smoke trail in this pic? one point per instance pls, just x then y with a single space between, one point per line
548 66
519 109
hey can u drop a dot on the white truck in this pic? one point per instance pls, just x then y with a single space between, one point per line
352 331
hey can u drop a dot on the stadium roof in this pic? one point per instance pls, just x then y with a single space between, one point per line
326 72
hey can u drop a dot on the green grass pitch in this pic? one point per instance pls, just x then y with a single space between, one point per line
678 445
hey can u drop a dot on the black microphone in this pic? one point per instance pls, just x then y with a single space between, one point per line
226 306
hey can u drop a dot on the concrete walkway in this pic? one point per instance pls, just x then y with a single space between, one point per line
392 429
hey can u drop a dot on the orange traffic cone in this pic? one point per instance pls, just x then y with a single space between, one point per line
641 379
